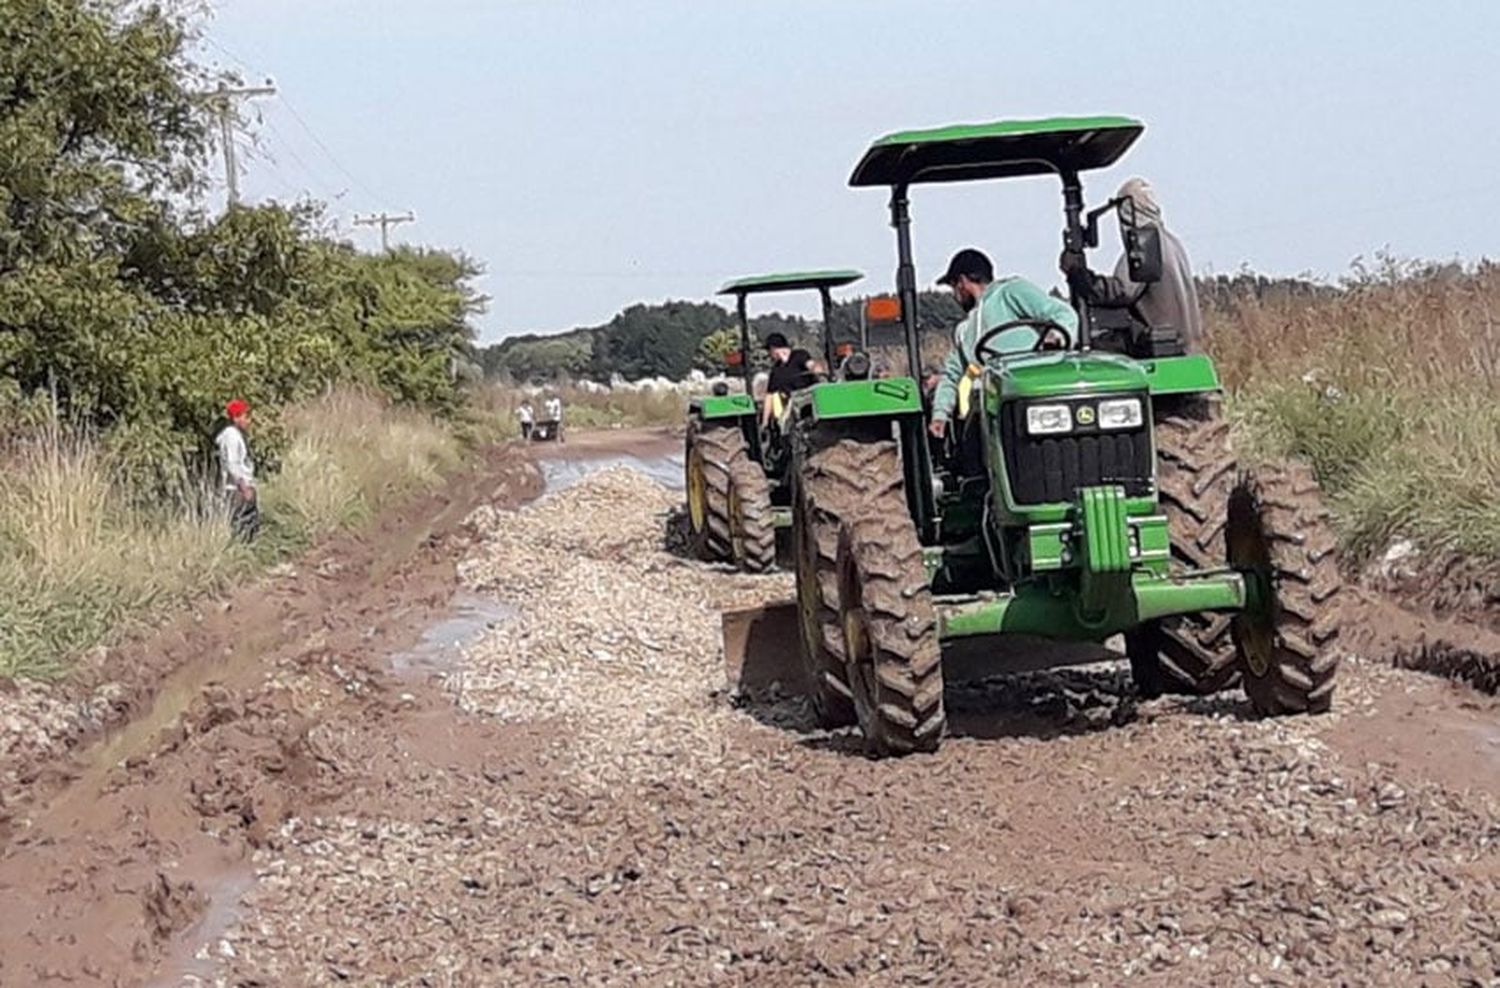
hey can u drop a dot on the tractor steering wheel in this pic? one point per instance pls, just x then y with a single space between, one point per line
1042 326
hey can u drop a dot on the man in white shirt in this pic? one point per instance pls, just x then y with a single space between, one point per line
237 471
554 414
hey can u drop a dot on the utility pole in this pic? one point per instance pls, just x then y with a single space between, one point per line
385 221
224 98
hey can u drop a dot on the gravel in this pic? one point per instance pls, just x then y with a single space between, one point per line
635 823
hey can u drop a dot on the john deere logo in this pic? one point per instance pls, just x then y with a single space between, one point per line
1086 415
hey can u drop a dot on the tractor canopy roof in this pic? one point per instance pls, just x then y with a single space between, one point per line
1005 149
791 281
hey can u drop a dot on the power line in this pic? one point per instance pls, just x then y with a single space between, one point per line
286 145
322 146
328 153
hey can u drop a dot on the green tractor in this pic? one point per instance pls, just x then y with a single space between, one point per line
1089 492
735 473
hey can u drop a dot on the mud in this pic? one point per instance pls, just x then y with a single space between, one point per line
492 745
214 739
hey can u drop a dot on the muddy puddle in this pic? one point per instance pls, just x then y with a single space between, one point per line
196 955
469 616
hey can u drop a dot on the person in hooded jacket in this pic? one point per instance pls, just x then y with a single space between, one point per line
1172 301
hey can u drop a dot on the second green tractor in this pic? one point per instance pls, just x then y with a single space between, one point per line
737 474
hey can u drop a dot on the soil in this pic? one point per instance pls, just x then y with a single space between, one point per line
312 785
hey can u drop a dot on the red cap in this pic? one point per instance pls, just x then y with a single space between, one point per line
236 408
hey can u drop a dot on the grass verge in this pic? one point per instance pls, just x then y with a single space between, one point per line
82 561
1389 390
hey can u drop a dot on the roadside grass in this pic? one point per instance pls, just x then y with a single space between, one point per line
1389 389
83 559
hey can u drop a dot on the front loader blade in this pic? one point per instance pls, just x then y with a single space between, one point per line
762 648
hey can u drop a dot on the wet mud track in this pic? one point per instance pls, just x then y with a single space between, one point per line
574 797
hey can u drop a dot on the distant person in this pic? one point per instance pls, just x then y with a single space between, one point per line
555 414
1172 301
237 471
791 370
990 302
528 418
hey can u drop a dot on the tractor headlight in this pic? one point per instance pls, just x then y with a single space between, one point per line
1049 420
1121 413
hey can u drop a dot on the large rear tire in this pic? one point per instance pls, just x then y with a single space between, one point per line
895 660
729 500
831 481
1280 536
1195 473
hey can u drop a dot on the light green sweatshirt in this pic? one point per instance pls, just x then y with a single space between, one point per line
1003 301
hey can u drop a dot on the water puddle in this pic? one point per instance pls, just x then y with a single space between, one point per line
469 616
559 475
195 958
1489 743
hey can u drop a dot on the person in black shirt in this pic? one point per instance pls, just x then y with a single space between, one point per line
791 370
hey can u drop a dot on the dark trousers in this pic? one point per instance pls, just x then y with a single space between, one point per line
244 516
525 430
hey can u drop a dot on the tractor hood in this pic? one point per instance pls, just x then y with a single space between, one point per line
1065 372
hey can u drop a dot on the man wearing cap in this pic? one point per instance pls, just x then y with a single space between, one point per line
237 471
791 370
990 302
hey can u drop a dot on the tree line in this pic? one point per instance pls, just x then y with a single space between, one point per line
669 339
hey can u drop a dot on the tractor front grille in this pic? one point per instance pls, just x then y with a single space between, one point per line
1049 469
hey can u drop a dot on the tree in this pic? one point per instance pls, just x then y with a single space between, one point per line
715 348
137 311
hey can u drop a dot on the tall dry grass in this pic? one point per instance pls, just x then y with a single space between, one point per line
80 557
1389 389
349 453
84 558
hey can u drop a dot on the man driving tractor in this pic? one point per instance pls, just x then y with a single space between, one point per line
791 370
990 303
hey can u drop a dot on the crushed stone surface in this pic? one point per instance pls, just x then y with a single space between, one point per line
628 820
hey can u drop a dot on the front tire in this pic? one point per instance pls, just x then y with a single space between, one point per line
1280 537
889 623
1196 468
831 481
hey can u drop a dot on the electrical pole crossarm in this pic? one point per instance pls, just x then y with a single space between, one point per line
385 221
224 99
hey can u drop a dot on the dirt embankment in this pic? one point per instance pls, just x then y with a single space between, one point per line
580 799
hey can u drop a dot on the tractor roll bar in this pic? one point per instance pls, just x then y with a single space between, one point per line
923 497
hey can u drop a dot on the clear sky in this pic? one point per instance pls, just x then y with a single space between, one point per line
594 154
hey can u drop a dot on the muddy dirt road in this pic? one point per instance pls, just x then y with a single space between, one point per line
573 797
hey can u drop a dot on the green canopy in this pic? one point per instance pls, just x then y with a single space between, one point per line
1005 149
791 281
